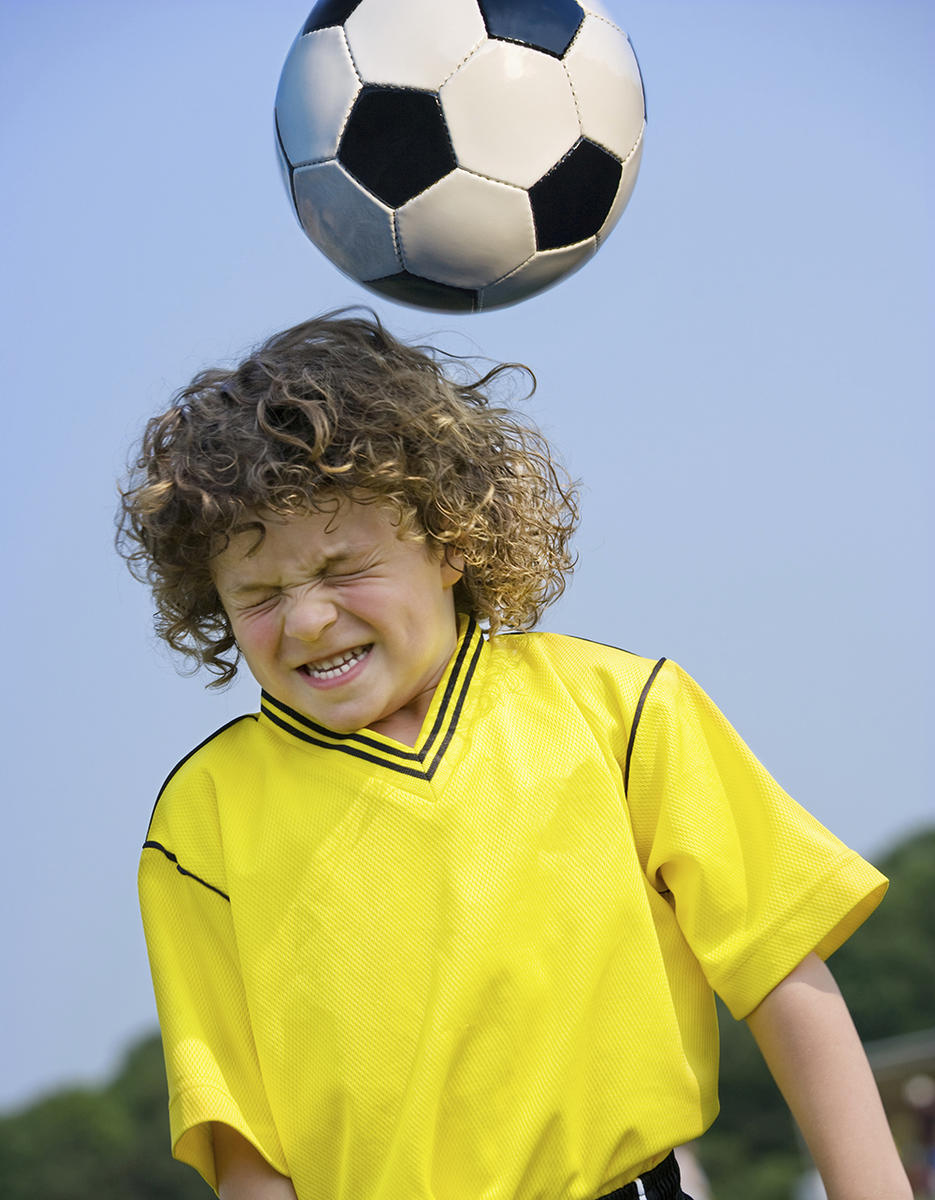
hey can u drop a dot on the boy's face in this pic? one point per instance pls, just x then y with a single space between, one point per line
340 618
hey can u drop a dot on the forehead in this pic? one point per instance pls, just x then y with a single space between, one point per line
270 544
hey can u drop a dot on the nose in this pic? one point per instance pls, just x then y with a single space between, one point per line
309 614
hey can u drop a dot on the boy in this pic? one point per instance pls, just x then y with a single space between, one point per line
444 920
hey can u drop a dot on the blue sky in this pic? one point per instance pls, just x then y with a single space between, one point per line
742 379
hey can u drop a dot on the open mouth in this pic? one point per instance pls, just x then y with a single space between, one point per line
340 664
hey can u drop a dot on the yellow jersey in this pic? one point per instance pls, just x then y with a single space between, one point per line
484 965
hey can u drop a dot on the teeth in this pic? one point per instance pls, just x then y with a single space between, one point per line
330 668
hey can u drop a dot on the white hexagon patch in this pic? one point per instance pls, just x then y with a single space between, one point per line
316 91
631 169
594 6
543 269
494 231
606 81
417 44
345 222
511 113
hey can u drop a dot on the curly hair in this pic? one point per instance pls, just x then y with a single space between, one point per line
338 407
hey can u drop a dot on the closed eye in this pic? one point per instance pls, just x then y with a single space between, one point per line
347 570
257 602
340 577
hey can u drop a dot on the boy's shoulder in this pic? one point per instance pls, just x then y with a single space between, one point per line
190 789
575 657
604 681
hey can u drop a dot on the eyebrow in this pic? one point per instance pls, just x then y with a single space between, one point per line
328 560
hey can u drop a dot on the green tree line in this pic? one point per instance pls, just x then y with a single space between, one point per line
887 974
112 1142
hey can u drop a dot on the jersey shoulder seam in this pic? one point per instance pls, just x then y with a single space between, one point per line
577 637
150 845
191 754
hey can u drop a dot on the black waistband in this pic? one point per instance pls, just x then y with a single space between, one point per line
663 1182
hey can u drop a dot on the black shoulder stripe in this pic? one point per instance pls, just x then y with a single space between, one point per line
181 870
182 761
636 720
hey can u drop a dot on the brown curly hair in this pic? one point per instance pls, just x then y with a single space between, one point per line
338 406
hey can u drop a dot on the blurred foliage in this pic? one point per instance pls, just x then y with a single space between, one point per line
887 970
887 974
100 1143
113 1141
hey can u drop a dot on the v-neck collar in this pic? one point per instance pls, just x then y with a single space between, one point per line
420 761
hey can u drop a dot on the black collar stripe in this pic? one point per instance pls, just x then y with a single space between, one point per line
351 750
320 736
362 739
359 745
458 706
453 683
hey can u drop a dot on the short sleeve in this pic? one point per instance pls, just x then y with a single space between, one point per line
211 1059
756 882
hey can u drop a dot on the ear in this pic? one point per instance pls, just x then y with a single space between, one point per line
452 566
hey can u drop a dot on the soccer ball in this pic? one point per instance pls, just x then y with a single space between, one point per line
459 154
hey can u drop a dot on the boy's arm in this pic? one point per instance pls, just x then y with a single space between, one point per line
806 1035
243 1173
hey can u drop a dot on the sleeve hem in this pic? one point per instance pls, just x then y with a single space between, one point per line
191 1112
839 903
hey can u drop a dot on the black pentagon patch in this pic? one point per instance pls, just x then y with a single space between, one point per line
327 13
548 25
424 293
396 142
571 202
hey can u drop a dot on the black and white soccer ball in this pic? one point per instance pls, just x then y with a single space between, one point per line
459 154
